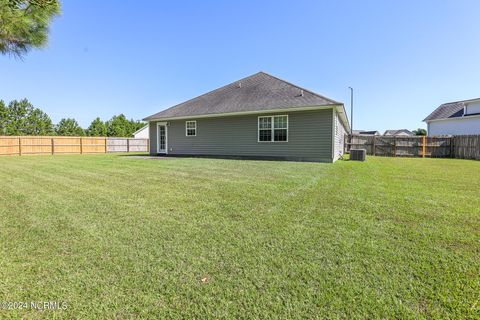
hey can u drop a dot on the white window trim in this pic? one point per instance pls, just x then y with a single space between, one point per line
272 128
186 128
166 136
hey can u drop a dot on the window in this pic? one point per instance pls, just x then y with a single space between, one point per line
265 129
273 129
191 128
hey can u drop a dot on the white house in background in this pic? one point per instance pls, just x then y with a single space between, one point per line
141 133
398 132
366 132
455 118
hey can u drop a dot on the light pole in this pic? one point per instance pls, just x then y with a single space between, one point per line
351 110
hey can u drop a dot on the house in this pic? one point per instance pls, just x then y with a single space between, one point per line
455 118
398 132
260 117
366 132
141 133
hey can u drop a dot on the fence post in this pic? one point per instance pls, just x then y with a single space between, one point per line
105 145
53 145
128 145
20 146
433 148
81 145
424 146
374 144
452 146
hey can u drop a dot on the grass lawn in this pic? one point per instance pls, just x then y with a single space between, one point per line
119 237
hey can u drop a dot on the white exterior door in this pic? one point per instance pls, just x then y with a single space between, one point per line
161 138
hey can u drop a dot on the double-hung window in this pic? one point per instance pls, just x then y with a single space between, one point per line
190 128
273 129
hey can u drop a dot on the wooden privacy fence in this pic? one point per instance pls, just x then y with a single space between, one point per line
10 145
466 147
402 146
463 147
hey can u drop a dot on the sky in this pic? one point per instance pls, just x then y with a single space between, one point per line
403 58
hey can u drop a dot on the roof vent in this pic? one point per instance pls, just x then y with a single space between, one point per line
239 84
301 93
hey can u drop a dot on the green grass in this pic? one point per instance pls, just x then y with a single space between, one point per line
119 237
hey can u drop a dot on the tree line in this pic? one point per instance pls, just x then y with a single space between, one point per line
21 118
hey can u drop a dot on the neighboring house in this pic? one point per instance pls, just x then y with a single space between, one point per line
366 132
455 118
259 116
141 133
398 132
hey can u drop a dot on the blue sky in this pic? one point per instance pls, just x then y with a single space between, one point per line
403 58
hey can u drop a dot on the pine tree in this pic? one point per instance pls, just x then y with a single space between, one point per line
118 126
69 127
97 128
22 118
3 118
24 24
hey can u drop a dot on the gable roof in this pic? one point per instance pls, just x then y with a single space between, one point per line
142 128
449 110
397 132
256 93
366 132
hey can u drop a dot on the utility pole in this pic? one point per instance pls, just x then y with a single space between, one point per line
351 111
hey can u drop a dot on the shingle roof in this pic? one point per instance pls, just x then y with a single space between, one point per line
396 132
257 92
447 110
366 132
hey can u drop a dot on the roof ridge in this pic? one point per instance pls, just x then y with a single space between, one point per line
264 80
211 91
461 101
301 88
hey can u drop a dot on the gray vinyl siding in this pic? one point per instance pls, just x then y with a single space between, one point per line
152 132
309 137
